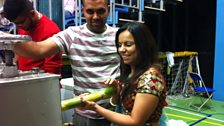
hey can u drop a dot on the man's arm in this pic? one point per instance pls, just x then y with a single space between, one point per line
36 50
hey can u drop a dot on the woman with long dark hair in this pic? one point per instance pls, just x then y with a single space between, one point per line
141 87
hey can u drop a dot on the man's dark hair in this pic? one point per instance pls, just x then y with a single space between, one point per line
13 8
107 2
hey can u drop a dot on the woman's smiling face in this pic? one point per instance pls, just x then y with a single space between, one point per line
127 48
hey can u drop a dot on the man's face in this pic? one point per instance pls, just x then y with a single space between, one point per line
96 12
24 21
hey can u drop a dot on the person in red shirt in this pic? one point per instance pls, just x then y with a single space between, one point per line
30 22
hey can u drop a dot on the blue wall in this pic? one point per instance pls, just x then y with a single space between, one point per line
56 6
218 83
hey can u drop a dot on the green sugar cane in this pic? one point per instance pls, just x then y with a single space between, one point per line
95 96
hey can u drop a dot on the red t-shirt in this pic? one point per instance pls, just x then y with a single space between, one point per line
43 29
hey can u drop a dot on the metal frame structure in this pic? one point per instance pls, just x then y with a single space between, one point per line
123 6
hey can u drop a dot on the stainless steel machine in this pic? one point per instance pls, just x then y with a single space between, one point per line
30 98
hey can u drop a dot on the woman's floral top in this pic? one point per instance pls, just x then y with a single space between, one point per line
151 82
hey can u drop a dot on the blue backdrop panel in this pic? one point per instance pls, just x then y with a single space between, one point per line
43 6
219 53
56 10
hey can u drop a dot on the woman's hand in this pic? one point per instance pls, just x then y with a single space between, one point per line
115 83
88 105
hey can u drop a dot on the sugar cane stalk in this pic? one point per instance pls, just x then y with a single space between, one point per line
96 96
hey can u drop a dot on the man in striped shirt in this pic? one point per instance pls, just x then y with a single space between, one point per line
92 51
